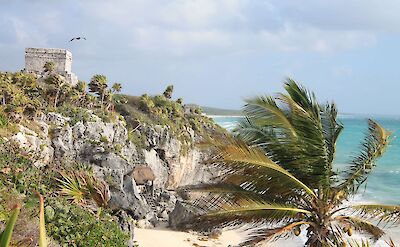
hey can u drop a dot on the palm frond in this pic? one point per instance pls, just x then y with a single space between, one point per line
79 186
266 112
270 234
303 98
331 129
246 211
375 143
295 132
389 214
363 243
73 186
237 158
362 225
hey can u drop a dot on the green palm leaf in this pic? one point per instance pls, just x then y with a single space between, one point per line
237 157
361 166
277 174
250 212
5 236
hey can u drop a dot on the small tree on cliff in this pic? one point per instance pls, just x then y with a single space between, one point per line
168 91
98 86
117 87
80 90
49 67
56 86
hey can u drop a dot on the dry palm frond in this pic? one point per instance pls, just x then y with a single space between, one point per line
389 214
362 226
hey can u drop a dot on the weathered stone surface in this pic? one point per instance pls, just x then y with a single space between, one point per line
127 225
36 58
56 118
35 144
180 215
106 147
159 167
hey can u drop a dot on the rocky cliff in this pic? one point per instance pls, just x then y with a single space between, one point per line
113 156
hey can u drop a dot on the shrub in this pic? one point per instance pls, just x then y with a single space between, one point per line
72 225
104 139
146 104
3 120
160 101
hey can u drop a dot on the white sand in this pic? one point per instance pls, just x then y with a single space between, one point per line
170 238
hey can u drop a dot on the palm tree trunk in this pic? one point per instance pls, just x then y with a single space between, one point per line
102 99
56 98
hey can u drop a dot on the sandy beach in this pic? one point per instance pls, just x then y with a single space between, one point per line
168 238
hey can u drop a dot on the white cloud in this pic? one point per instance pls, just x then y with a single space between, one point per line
293 39
183 27
20 32
188 25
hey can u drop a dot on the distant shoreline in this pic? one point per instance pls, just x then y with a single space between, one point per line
226 116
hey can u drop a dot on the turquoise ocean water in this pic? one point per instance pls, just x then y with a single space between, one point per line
383 185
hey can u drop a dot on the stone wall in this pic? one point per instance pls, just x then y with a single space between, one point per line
35 59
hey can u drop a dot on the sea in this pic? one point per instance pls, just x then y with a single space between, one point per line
383 184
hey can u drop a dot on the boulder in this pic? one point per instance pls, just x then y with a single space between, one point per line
181 214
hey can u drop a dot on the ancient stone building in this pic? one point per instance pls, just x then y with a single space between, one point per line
35 59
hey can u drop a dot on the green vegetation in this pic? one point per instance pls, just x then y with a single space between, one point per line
159 110
70 225
7 233
168 92
73 224
75 203
278 175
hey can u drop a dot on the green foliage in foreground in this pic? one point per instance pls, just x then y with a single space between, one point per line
67 223
5 237
70 225
279 175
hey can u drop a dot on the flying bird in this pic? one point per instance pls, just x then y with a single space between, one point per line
77 38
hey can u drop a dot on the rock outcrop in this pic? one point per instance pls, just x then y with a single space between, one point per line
113 156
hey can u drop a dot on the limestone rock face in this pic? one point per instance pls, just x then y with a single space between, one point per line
37 145
107 148
173 165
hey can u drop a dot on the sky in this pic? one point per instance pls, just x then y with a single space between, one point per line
220 52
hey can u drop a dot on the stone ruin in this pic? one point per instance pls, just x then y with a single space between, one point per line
35 59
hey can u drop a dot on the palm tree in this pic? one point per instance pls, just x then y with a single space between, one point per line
117 87
277 174
79 92
98 85
57 85
168 91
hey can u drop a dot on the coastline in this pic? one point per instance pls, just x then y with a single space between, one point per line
224 116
